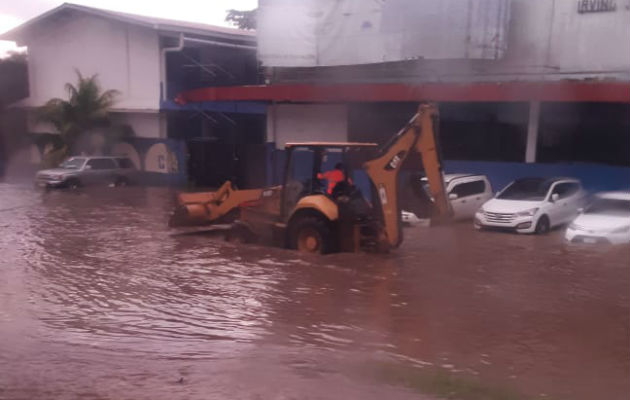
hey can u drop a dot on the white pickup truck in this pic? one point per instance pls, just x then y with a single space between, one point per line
466 193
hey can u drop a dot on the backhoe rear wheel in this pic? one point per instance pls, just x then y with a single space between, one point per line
310 234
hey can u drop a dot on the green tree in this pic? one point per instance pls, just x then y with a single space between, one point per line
86 109
242 19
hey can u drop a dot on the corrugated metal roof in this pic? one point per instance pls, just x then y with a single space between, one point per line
160 24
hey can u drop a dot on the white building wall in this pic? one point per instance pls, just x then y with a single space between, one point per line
547 40
552 36
590 41
307 123
145 125
125 57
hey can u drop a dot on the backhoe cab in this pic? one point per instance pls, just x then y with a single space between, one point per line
360 212
308 217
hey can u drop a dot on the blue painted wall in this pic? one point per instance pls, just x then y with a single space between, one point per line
242 107
594 177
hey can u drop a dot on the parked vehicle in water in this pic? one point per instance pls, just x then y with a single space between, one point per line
532 205
605 220
409 218
466 193
89 170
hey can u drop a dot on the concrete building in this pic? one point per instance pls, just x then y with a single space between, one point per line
148 61
524 87
552 97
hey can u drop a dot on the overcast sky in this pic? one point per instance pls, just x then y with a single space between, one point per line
13 13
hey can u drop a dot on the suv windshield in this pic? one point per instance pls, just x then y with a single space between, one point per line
526 189
609 207
72 163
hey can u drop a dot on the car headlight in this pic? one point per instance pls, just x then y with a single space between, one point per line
623 229
572 225
480 210
527 213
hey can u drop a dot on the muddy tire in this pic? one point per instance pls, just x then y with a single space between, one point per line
310 234
73 183
542 226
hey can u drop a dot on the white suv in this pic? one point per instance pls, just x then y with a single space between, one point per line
532 205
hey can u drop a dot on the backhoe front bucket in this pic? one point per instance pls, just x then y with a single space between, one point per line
206 208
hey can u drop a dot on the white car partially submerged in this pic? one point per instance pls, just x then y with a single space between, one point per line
532 205
605 220
466 193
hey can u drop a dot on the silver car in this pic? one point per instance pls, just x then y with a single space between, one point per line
81 171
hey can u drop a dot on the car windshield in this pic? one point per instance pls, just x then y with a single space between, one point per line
526 189
72 163
609 207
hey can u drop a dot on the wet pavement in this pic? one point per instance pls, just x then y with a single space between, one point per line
99 301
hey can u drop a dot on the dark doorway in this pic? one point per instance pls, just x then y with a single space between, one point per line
468 131
584 132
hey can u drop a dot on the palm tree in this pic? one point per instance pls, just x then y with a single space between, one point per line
87 108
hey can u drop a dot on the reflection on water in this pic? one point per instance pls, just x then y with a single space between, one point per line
99 300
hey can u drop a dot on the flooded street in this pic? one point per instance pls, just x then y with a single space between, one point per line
98 300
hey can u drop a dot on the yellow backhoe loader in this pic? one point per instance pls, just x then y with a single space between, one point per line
360 212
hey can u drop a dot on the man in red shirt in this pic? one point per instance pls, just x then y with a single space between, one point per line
333 177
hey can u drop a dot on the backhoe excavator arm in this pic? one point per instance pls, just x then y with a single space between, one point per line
420 135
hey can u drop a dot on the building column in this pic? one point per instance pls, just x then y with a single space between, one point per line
163 125
271 123
532 131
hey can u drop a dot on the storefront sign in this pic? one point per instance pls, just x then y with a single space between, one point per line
592 6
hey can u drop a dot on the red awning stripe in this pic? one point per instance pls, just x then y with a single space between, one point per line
512 91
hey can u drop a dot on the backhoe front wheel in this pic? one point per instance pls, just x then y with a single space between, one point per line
310 234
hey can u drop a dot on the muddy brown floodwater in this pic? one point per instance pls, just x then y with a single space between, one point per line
99 301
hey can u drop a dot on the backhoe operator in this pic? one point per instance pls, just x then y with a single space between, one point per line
334 176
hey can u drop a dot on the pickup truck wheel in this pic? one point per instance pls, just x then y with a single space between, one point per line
542 226
310 234
121 181
73 183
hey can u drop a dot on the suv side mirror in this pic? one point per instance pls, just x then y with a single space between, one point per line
452 196
554 197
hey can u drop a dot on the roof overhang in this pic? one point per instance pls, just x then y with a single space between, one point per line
562 91
160 24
